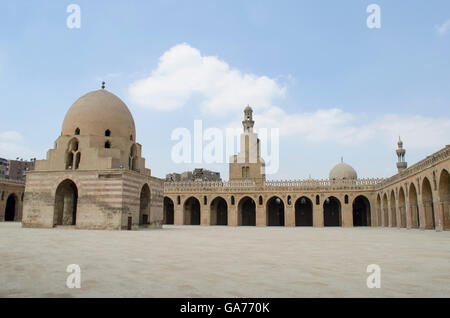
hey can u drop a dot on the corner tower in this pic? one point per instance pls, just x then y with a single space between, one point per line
248 164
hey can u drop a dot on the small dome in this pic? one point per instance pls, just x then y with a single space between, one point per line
343 171
99 111
248 108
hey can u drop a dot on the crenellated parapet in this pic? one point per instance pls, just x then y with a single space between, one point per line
277 185
431 160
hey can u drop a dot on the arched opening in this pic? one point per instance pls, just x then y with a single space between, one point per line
378 210
77 160
77 131
191 211
444 196
73 145
247 212
107 133
260 200
132 161
11 207
393 221
361 211
69 160
168 211
303 212
66 198
428 208
332 212
275 212
107 145
219 212
144 206
413 208
72 151
346 199
402 207
385 210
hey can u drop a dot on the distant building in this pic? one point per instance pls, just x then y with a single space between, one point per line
15 169
199 174
3 168
18 169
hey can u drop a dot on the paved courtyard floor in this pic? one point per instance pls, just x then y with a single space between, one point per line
194 261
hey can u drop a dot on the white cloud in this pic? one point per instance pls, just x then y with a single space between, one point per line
335 125
11 136
12 145
183 73
443 28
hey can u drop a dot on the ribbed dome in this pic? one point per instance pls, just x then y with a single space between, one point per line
98 111
343 171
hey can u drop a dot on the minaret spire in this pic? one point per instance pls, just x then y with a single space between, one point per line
401 163
248 119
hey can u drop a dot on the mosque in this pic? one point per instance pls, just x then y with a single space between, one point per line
95 178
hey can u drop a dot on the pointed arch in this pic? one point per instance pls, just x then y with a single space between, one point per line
444 198
66 199
219 211
144 205
169 211
393 209
428 221
361 211
275 211
385 210
332 212
247 212
303 212
379 210
11 208
413 206
191 211
402 207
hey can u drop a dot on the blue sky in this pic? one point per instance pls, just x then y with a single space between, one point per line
333 86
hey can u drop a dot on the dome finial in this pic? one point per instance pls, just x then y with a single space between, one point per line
103 85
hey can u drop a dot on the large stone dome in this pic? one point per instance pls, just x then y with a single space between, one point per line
343 171
98 111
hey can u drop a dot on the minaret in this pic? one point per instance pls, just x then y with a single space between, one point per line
401 164
248 121
248 164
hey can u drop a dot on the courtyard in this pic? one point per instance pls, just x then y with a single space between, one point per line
215 261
